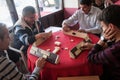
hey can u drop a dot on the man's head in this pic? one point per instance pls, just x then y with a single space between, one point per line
4 37
98 2
85 5
29 15
110 16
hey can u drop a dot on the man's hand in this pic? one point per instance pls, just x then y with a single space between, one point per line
82 30
65 28
109 33
40 62
42 35
87 46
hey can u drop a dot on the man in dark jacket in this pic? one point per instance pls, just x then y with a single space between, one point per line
27 30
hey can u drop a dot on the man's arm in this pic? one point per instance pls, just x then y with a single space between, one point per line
28 39
71 21
9 70
39 65
23 36
105 56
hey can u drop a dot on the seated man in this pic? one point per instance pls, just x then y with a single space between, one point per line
99 4
107 49
8 69
86 16
27 30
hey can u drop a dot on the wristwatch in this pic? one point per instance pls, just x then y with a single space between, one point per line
103 39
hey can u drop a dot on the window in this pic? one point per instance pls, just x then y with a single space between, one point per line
4 14
20 4
49 6
45 6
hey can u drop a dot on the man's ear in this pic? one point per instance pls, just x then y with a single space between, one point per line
111 25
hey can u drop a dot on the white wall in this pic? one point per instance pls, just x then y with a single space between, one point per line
71 4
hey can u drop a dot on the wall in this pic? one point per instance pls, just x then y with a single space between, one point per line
54 19
70 6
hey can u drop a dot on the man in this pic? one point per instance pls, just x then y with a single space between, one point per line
8 69
99 4
107 49
86 16
27 30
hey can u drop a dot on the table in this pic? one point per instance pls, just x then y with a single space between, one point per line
53 29
67 66
80 78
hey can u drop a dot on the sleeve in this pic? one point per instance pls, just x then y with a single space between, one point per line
23 36
35 74
71 21
104 56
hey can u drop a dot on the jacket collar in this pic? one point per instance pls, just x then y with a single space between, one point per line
23 24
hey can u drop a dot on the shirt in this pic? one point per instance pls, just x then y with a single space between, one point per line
89 22
9 71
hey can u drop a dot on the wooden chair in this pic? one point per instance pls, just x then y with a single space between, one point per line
80 78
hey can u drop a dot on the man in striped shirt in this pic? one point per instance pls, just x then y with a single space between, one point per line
108 55
8 69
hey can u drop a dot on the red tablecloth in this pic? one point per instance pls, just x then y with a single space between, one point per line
67 66
117 2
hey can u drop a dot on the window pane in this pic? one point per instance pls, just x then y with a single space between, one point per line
5 14
49 6
46 6
20 4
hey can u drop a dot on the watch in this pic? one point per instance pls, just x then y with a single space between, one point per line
103 39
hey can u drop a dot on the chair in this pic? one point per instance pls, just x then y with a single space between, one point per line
22 62
80 78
